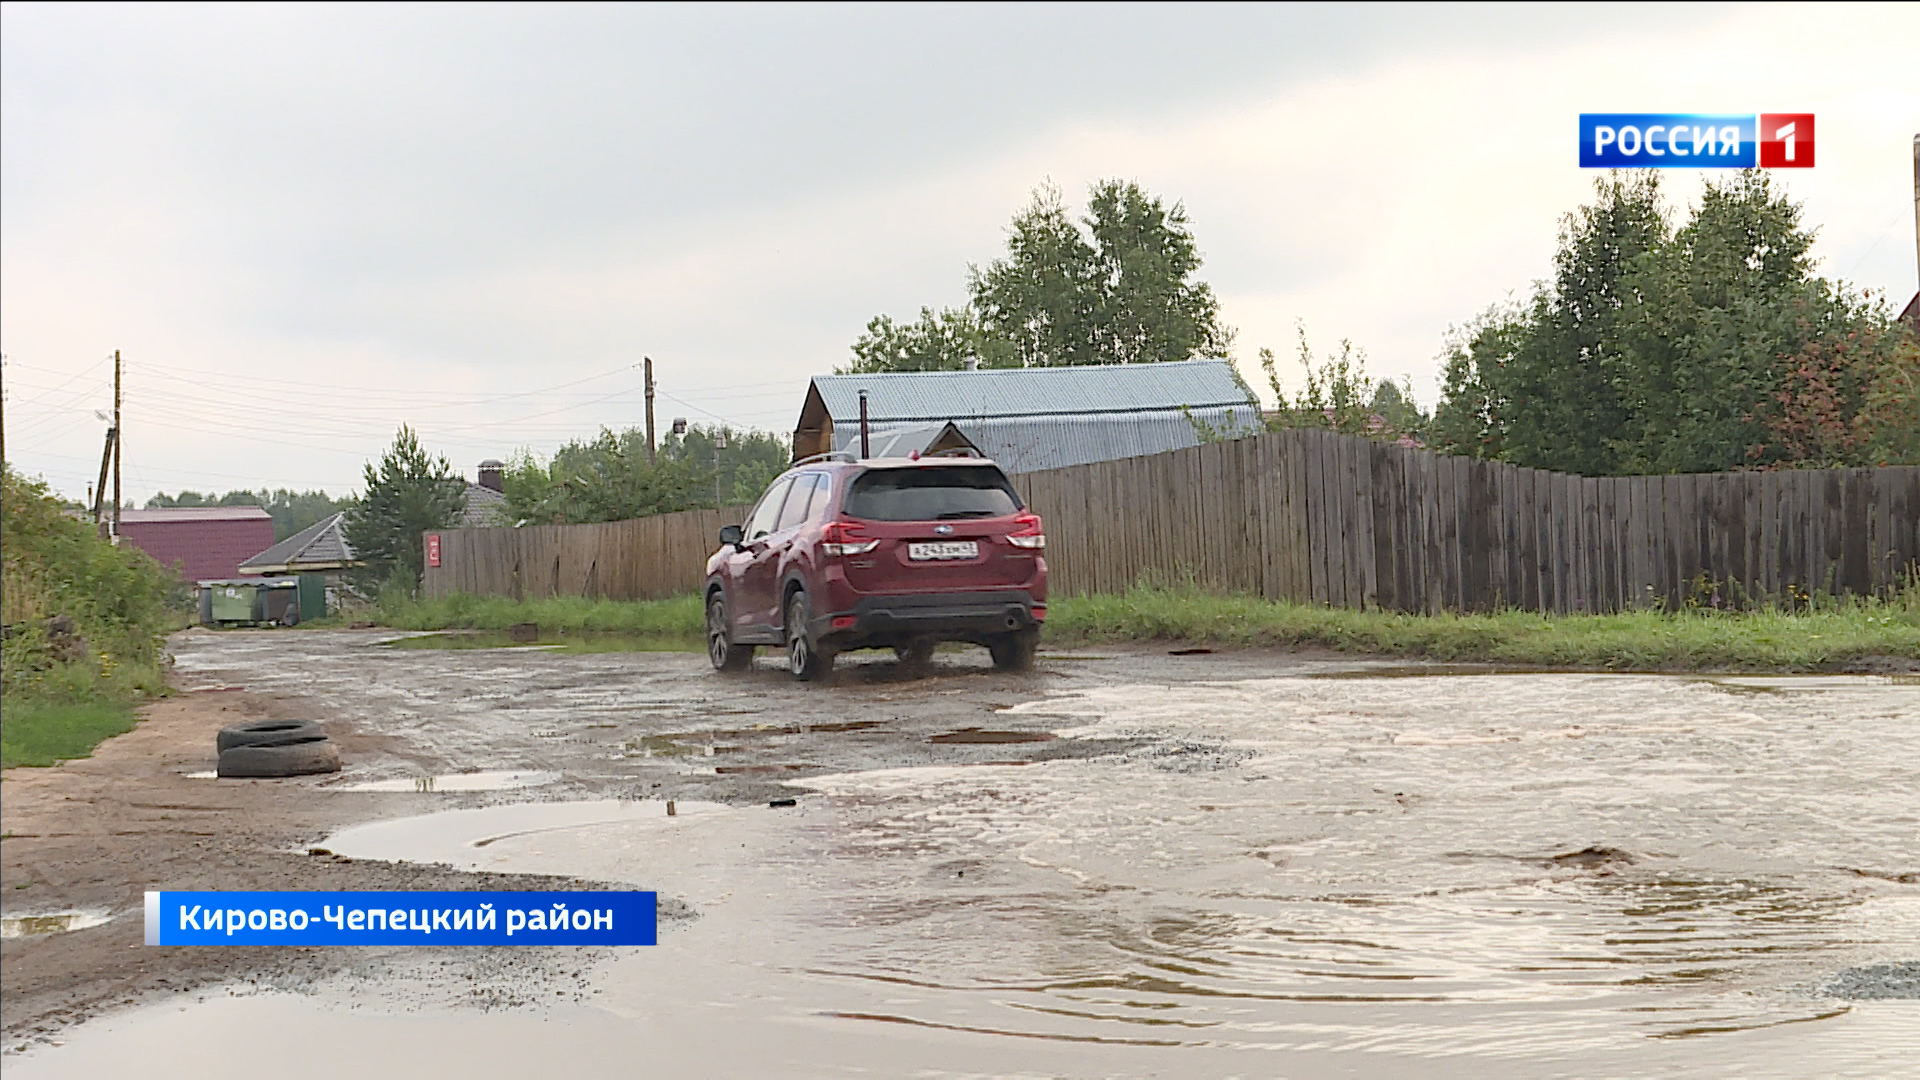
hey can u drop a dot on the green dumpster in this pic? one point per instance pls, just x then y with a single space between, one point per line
231 602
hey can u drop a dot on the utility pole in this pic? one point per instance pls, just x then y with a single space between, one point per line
99 492
3 407
116 446
649 366
1916 201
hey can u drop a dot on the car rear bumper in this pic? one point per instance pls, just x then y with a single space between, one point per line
880 620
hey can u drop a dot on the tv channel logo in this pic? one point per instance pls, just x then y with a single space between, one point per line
1696 141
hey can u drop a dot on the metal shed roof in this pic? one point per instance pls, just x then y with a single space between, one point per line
170 514
931 396
322 545
1029 444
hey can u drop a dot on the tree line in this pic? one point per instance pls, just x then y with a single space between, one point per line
1655 347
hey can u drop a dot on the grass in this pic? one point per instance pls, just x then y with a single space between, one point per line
1838 633
680 619
42 734
1692 640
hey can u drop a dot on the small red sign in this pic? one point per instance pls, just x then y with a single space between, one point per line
433 549
1786 140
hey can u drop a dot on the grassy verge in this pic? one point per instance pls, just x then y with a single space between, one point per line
41 734
1834 637
84 625
680 619
1844 633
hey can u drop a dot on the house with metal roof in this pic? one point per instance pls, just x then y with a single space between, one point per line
198 542
1029 418
319 548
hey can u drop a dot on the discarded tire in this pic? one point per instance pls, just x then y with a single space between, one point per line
300 756
265 731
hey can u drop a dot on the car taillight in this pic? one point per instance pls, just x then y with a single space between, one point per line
1026 532
844 538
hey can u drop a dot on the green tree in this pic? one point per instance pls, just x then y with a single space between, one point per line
608 478
291 510
1655 350
939 341
409 494
1115 287
1339 395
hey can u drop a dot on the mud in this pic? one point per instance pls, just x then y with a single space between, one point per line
1122 864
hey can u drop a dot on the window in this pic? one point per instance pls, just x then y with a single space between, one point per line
932 493
798 501
761 522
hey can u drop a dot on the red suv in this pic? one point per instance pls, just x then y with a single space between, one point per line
882 553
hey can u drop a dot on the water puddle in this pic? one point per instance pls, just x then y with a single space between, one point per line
55 922
474 781
581 642
1498 875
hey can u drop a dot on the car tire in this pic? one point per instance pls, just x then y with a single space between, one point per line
302 756
725 653
1014 651
805 658
265 731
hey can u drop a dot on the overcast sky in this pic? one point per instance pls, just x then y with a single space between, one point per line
303 226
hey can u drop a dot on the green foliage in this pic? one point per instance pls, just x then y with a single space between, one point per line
1656 350
85 622
610 479
1115 287
1339 395
940 341
409 494
1767 640
291 510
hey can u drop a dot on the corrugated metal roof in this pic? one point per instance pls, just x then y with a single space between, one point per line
322 544
931 396
195 513
1023 445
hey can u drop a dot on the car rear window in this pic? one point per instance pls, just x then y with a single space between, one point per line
932 493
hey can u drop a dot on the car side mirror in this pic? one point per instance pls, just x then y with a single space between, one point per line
730 535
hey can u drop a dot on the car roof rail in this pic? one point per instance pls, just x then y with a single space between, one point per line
831 455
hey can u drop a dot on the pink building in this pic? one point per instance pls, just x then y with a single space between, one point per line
200 542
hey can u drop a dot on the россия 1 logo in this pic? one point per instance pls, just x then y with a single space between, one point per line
1696 141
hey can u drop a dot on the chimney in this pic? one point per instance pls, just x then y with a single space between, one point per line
490 474
971 363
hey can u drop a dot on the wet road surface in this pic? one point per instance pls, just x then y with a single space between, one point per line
1129 864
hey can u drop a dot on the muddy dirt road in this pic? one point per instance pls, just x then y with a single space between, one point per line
1127 863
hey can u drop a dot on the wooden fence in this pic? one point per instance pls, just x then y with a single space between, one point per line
1343 521
642 559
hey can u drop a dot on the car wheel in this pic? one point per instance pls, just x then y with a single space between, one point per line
805 658
725 654
1014 651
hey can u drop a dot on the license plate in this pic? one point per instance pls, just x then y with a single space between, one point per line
944 549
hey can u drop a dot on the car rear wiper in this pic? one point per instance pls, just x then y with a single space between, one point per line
951 514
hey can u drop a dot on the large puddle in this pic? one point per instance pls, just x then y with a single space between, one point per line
1491 875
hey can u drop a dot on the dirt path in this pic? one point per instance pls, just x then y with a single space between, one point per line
95 834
